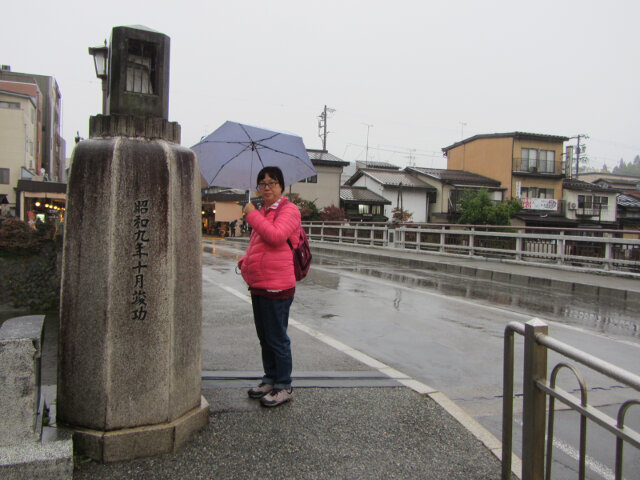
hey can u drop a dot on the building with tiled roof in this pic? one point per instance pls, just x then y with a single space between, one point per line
456 177
402 189
588 203
361 204
451 186
529 165
374 164
623 183
628 212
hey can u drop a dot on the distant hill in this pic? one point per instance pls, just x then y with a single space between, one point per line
631 168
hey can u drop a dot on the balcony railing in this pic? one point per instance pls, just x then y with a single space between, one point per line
538 167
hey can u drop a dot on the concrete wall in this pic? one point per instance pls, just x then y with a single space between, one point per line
20 352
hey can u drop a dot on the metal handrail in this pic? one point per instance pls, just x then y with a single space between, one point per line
536 388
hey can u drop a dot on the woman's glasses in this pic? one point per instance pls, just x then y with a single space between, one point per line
264 185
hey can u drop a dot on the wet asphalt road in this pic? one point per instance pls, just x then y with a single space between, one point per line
447 331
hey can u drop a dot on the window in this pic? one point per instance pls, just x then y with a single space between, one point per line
4 176
602 202
546 160
141 67
585 201
313 179
376 209
593 201
10 105
529 159
535 192
363 209
534 160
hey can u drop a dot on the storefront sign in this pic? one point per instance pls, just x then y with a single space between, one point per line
550 204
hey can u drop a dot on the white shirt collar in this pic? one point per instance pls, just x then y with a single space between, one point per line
276 204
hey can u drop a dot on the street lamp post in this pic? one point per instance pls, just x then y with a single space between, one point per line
100 63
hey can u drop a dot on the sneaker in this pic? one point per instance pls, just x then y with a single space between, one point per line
260 391
277 397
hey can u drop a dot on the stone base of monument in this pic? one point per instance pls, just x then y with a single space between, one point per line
138 442
29 447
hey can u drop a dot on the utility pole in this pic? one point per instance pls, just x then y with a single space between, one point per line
579 151
411 157
322 126
366 155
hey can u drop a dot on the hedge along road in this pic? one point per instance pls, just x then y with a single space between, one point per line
450 336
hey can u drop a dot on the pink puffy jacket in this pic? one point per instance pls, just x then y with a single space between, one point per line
268 262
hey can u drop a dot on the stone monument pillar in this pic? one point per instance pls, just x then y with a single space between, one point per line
129 371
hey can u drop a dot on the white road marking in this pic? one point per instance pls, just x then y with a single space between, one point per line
593 465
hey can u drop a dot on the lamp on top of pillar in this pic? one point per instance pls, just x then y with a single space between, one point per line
134 69
101 64
100 56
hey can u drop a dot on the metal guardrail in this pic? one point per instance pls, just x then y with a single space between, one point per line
601 249
536 388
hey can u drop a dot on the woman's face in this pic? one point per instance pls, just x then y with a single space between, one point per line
269 189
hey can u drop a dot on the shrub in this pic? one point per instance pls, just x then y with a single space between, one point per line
400 215
332 214
308 208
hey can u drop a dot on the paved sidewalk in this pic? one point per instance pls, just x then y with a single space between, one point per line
348 420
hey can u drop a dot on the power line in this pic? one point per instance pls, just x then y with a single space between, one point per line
409 151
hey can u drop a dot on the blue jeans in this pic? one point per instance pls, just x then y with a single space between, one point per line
271 317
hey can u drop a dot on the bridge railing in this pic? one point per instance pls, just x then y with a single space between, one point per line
617 250
537 386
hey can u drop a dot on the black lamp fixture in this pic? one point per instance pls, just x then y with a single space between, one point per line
101 63
100 60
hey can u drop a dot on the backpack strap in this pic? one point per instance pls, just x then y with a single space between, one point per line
283 201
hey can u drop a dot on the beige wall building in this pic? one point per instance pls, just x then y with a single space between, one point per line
529 165
32 151
322 189
18 141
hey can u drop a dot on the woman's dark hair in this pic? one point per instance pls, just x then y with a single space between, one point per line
273 172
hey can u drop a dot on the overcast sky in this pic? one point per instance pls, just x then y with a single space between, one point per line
415 75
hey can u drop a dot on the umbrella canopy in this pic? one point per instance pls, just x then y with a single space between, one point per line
233 155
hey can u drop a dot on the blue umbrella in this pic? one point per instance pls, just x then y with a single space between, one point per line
233 155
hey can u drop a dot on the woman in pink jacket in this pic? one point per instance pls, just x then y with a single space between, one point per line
267 267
